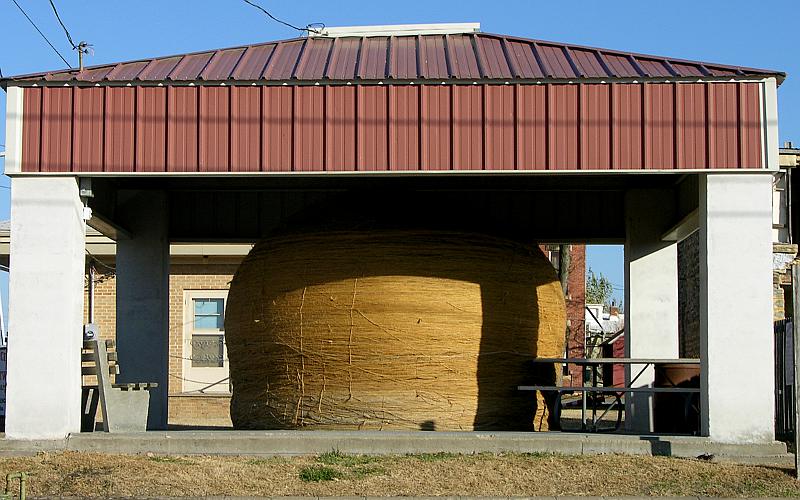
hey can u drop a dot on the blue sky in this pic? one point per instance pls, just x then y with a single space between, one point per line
747 33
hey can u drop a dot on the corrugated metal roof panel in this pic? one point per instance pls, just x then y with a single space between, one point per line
126 71
372 63
432 57
688 69
221 66
556 60
253 62
465 56
655 68
282 63
403 58
463 62
313 62
495 61
522 58
344 56
621 66
96 75
190 67
588 63
159 69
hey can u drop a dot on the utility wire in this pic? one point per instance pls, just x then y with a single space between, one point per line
55 11
40 32
308 28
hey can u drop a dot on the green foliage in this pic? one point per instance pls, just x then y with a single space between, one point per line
317 473
598 288
336 457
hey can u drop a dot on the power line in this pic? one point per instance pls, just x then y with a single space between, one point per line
308 28
40 32
81 47
55 11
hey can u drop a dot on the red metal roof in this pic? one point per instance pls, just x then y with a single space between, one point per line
469 56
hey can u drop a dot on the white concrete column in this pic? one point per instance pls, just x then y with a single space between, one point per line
736 341
143 296
651 295
45 308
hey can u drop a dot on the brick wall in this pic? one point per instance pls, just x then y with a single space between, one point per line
212 410
783 255
689 296
689 290
576 302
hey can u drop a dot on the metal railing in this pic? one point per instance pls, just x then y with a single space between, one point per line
784 381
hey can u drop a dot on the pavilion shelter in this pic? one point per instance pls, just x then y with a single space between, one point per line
440 126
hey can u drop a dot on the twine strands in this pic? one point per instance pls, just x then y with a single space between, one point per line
391 330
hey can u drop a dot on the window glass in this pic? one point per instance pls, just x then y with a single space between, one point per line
205 363
208 314
207 351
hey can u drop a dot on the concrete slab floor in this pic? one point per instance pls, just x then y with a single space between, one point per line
296 443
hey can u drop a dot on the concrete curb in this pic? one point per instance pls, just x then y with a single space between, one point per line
296 443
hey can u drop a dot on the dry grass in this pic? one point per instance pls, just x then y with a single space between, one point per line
85 475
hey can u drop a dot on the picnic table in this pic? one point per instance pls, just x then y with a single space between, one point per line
590 368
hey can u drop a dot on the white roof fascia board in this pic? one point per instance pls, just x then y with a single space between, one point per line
13 153
398 30
771 143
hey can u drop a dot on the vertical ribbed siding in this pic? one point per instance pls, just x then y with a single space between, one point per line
119 128
215 122
750 147
182 126
691 126
404 128
340 129
595 127
467 127
31 129
531 125
151 136
309 118
245 129
723 125
277 138
562 127
57 123
87 150
372 128
624 126
660 127
435 125
498 127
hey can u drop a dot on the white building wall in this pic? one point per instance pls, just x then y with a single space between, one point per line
45 308
736 344
651 295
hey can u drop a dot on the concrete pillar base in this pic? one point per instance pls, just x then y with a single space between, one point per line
736 339
46 282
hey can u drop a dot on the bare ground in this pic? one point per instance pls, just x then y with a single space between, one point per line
97 475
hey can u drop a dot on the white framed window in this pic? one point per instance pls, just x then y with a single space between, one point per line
205 355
